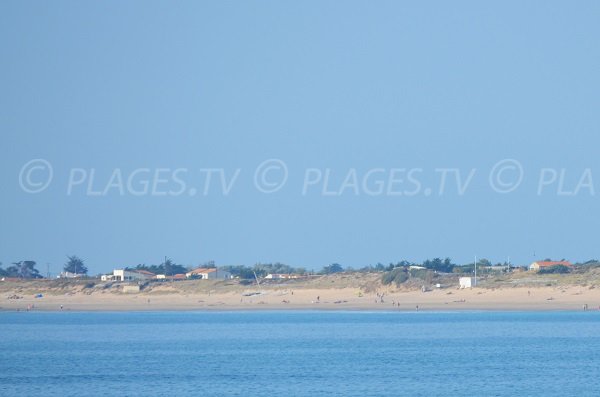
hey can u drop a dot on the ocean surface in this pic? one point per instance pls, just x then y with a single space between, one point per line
300 354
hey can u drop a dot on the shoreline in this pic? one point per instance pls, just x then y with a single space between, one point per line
299 310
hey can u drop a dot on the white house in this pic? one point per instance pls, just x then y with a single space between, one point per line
208 274
546 264
128 275
70 275
280 276
465 282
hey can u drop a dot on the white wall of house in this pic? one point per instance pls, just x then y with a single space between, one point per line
70 275
127 275
465 282
217 275
210 275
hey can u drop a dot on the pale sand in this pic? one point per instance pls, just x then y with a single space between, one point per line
510 299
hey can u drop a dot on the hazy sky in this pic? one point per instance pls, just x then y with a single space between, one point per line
163 90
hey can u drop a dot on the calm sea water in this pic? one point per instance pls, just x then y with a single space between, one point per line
300 354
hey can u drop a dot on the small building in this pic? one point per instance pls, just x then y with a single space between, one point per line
281 276
208 274
465 282
70 275
536 266
499 268
128 275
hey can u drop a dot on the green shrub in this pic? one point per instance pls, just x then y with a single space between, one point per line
419 273
397 276
558 269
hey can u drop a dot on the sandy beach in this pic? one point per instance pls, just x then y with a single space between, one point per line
284 298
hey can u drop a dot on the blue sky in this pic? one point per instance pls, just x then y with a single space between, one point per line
323 85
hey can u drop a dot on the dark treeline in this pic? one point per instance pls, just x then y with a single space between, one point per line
262 269
168 268
27 269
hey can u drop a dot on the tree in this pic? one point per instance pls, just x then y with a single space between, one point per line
170 268
75 265
209 265
262 269
243 272
443 266
333 268
23 269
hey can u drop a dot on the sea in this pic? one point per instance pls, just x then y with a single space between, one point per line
300 353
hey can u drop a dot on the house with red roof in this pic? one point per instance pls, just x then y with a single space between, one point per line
536 266
208 274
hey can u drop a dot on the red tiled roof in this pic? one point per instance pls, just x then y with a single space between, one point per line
144 272
203 270
554 263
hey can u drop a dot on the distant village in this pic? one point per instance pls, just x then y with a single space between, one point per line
396 273
214 273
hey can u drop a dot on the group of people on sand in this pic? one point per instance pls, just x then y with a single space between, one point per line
380 296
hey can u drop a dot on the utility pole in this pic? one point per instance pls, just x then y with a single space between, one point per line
476 270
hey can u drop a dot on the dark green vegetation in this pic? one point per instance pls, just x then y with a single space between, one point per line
396 276
21 269
262 269
168 268
558 269
75 265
